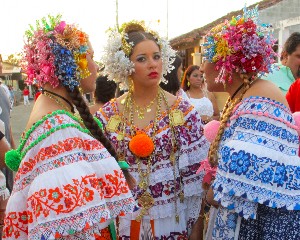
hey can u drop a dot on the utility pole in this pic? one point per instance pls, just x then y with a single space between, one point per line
117 14
167 19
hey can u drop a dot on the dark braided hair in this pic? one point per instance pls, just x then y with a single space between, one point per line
89 120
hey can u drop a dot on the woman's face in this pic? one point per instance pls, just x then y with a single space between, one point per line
147 60
88 84
211 74
196 78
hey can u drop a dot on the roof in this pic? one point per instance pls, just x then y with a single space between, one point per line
191 38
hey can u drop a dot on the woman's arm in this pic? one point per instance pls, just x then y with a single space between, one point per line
4 147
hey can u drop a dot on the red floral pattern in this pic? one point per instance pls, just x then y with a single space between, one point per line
64 199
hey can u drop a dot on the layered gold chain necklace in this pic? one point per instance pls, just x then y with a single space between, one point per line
142 110
145 200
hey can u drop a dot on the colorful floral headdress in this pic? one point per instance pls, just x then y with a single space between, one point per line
117 51
55 53
241 45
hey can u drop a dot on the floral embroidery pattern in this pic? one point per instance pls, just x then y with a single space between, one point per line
64 199
52 152
193 149
258 159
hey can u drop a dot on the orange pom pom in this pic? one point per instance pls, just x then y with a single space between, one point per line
141 145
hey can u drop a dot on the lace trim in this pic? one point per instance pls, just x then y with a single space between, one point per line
81 221
193 154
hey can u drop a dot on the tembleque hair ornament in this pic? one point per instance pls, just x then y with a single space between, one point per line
116 53
55 53
240 45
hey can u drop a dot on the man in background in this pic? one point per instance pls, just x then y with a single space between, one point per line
288 69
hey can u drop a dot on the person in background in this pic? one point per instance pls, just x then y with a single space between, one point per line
5 88
26 96
159 134
12 96
288 70
194 85
68 184
5 117
105 91
4 193
293 96
255 150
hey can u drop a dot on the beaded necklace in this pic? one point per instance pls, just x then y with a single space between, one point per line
54 97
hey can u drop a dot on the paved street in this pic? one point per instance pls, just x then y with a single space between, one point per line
19 118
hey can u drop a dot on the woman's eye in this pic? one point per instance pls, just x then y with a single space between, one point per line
140 59
157 57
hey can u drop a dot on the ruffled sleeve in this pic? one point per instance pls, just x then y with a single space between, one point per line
68 185
258 159
193 149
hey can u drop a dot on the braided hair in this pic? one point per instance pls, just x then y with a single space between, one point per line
94 128
229 106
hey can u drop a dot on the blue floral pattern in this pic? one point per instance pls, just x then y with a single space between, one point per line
258 164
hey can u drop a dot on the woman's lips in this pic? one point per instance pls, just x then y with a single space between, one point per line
153 75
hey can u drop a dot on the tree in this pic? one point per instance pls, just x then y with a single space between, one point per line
14 59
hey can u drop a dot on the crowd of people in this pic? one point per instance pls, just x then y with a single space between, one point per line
154 157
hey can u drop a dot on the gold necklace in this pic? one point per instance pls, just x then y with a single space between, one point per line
146 200
58 101
142 110
173 157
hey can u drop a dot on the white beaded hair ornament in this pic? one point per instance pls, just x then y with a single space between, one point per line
117 51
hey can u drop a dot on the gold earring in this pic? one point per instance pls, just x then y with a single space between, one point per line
130 83
188 83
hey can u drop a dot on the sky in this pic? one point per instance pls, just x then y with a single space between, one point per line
171 18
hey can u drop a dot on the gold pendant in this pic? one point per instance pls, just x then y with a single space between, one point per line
181 197
113 123
176 117
120 136
141 115
146 201
148 109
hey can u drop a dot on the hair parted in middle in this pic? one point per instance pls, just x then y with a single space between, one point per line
120 44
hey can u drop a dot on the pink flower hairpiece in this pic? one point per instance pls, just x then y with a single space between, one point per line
55 53
241 45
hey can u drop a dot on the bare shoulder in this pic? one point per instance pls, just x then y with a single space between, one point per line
264 88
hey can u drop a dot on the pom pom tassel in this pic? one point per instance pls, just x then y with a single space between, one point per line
13 160
296 116
210 130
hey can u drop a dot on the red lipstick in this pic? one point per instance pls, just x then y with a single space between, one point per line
153 75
